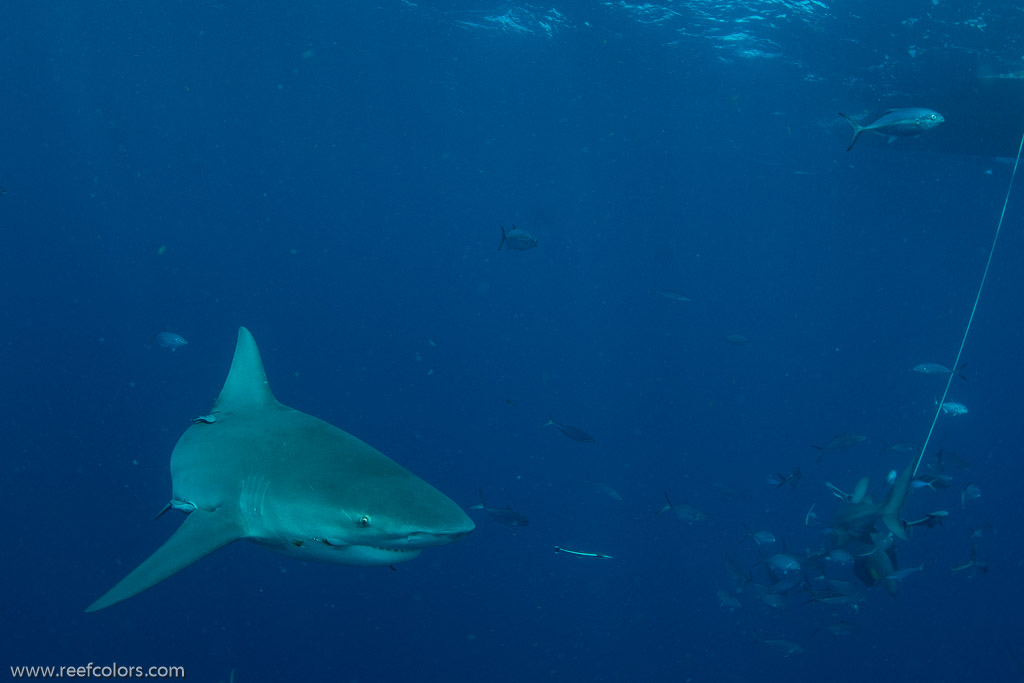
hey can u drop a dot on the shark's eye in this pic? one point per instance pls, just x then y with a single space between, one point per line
364 521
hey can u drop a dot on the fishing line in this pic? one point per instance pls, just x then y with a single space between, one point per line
977 297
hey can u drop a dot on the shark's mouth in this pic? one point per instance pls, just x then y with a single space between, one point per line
365 545
412 542
393 550
355 553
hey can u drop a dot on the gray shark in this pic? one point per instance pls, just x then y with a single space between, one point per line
854 529
857 519
259 470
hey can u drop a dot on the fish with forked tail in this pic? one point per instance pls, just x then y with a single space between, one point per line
840 442
683 511
939 369
897 122
603 487
953 408
574 433
516 239
777 479
505 515
169 340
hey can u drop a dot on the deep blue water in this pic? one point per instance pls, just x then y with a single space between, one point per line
334 177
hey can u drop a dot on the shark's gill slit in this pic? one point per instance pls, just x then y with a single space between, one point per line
974 308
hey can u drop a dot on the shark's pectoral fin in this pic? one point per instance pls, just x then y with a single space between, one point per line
202 533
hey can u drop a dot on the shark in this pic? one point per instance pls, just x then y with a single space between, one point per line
859 516
258 470
854 529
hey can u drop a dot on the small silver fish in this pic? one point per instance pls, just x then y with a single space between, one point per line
898 447
970 492
170 340
839 556
574 433
762 538
516 239
838 492
937 369
840 442
777 479
953 408
930 519
605 488
505 515
904 573
784 563
727 599
897 122
984 529
851 600
672 295
787 583
683 511
931 480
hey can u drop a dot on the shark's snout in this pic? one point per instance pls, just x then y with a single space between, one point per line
449 523
440 536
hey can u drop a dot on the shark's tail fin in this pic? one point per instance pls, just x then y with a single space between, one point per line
502 243
857 130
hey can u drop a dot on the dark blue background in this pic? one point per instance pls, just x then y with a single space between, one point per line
333 178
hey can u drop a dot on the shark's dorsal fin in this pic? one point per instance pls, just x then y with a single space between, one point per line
201 533
246 385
